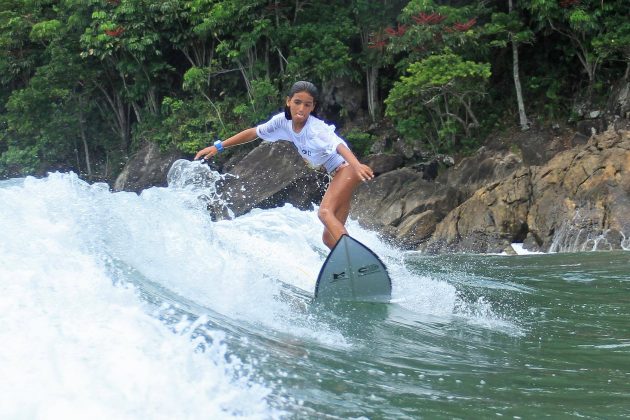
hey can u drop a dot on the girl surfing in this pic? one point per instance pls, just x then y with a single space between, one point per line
318 144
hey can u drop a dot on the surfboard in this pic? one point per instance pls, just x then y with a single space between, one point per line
353 272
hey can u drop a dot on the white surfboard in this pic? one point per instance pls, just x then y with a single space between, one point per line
352 272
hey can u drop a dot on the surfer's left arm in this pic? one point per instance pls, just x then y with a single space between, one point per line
364 171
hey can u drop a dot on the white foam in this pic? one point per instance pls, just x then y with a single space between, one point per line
76 346
520 250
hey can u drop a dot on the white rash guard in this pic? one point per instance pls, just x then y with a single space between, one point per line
317 142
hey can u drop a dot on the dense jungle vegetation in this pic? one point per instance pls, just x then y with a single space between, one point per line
84 82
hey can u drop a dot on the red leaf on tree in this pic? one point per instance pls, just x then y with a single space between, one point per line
400 31
462 27
377 44
391 31
115 32
378 40
115 2
428 18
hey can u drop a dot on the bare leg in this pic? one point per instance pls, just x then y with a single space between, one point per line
335 206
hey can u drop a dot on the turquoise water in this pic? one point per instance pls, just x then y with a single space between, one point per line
115 305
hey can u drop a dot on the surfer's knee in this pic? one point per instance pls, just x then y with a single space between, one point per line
325 213
328 239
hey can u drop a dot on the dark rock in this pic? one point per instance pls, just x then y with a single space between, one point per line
269 176
404 200
619 100
429 169
574 202
485 167
579 139
407 149
342 94
416 229
531 243
379 146
591 127
382 163
147 168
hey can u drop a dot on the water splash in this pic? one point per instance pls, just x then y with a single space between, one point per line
77 257
74 345
584 233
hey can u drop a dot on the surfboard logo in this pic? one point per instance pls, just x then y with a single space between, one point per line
353 272
368 269
339 276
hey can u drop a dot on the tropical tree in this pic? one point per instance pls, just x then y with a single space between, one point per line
509 29
598 31
434 102
371 17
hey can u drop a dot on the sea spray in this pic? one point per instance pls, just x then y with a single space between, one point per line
74 345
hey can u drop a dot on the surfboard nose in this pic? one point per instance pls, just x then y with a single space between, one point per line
353 272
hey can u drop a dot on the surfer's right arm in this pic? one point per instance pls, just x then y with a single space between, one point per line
240 138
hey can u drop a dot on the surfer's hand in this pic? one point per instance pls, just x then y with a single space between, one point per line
364 172
207 152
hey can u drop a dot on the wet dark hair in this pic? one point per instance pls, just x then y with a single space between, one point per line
302 86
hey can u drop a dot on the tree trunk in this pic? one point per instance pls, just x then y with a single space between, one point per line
84 138
522 117
371 75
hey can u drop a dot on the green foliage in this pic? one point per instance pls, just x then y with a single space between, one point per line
426 27
359 141
433 103
19 161
587 25
186 125
506 27
264 101
46 31
85 80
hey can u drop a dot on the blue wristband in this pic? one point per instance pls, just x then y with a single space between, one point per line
218 145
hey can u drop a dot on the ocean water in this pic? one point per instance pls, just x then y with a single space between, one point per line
126 306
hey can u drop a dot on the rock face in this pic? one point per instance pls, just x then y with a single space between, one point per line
579 200
147 168
269 176
403 205
406 207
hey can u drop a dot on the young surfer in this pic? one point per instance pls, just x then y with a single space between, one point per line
318 144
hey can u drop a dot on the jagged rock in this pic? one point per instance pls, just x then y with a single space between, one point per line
269 176
342 94
579 200
493 218
409 150
416 229
147 168
619 101
404 200
384 162
485 167
583 196
591 127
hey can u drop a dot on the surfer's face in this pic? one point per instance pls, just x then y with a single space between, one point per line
301 104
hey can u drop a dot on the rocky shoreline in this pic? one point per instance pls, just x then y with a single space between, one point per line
554 192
